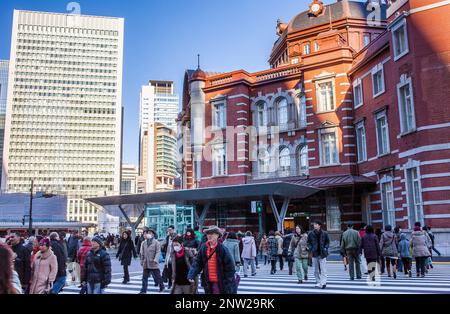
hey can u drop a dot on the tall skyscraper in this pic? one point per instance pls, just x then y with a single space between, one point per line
64 108
4 68
158 127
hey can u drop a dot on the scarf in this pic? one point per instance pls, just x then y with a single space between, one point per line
180 254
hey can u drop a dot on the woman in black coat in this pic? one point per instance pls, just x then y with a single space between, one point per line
126 250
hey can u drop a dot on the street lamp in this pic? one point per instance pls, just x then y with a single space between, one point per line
30 215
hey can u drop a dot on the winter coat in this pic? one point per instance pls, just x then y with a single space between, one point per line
299 246
249 248
22 264
63 244
314 245
272 243
73 245
280 245
82 255
370 247
350 240
125 252
233 247
389 244
404 247
59 252
97 268
188 258
191 243
43 273
225 269
264 247
421 244
150 254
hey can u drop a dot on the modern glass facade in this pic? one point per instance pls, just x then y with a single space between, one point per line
160 217
4 68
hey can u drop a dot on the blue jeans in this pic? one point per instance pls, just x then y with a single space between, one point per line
95 288
59 283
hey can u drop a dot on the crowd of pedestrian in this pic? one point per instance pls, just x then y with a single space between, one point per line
213 258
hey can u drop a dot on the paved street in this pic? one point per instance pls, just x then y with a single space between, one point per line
437 281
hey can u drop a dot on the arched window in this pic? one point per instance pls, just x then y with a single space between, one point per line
283 116
261 114
263 161
285 160
302 160
302 111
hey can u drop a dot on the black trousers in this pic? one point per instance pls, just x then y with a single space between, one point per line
280 258
273 264
156 273
126 274
420 265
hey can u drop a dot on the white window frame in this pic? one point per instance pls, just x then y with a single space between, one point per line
320 106
266 169
378 68
416 212
400 24
316 46
215 108
307 51
215 163
356 83
282 126
388 149
299 155
406 81
288 170
361 145
261 107
321 147
388 209
302 111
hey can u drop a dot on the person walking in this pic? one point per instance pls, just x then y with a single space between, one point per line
249 253
351 242
405 254
379 233
286 243
216 265
97 268
63 243
433 239
82 254
429 260
150 253
299 249
44 269
318 245
389 250
272 243
190 241
61 276
181 263
420 245
264 249
370 247
9 279
342 252
279 239
166 249
73 245
232 244
36 247
125 252
362 233
22 263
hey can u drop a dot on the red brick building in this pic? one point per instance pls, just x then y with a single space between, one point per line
356 103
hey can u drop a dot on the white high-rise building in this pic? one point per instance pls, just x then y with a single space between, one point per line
4 65
158 124
64 107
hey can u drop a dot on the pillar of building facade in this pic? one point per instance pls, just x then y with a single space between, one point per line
279 216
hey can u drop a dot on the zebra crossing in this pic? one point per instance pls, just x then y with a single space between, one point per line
437 281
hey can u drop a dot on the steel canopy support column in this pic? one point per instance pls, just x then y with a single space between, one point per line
279 216
201 219
132 225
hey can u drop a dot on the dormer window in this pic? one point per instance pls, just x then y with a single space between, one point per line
307 49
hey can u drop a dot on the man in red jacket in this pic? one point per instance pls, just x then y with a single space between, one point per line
86 246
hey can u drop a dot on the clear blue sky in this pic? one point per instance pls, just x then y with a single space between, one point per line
162 39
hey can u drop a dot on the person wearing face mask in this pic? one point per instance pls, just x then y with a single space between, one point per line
181 263
22 263
150 252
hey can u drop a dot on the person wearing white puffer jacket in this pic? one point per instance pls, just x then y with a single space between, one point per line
249 253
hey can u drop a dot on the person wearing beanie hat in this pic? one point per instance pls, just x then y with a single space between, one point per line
58 250
43 269
318 245
97 268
